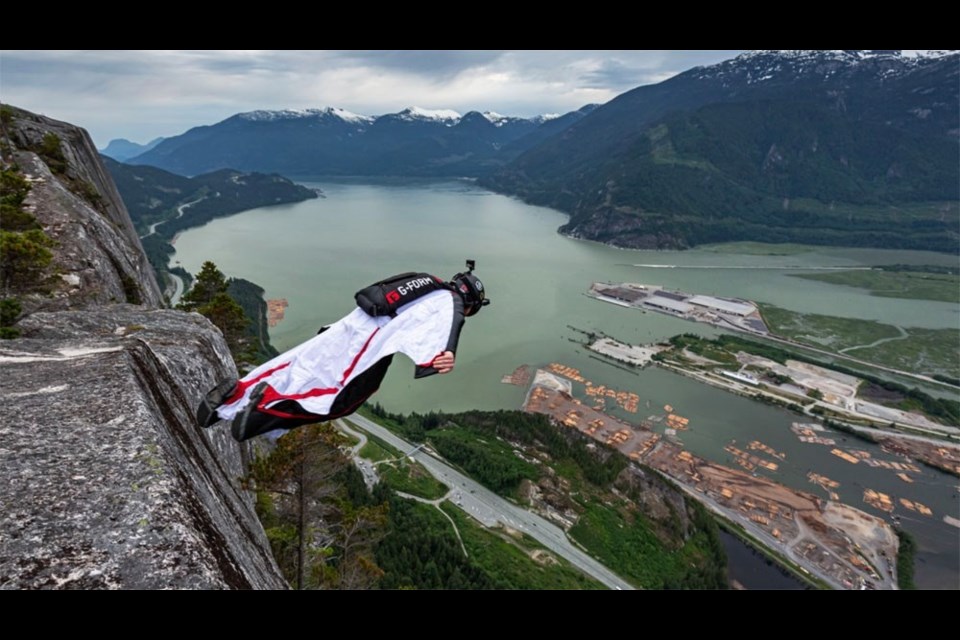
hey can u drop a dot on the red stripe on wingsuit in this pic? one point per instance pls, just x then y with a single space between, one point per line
356 359
279 414
328 416
272 395
430 364
243 385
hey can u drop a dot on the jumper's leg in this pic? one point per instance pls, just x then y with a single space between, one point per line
252 422
207 409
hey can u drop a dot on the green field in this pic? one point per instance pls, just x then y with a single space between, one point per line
624 540
829 332
926 351
375 452
895 284
411 477
516 563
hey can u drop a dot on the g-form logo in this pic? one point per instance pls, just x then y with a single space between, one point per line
392 296
409 287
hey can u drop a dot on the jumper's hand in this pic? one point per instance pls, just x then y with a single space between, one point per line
443 363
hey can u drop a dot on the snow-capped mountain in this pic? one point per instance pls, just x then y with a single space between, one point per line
821 147
447 116
790 65
414 141
302 114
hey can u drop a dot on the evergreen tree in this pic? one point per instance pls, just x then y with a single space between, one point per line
210 281
320 539
13 191
9 311
23 259
224 312
209 297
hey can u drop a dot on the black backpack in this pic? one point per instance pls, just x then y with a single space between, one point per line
385 297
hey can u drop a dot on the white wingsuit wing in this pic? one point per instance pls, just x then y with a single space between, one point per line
315 372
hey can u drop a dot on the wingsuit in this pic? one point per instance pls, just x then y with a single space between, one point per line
333 373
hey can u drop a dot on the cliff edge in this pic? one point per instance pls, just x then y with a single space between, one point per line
105 479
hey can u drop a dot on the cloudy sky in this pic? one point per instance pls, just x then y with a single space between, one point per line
140 95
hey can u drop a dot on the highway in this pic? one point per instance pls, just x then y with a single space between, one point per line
366 467
177 280
490 509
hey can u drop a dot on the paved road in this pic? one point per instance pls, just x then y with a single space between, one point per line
367 468
944 431
490 509
177 288
177 280
153 227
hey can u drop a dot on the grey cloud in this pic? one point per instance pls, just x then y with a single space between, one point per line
629 69
614 74
24 66
423 62
142 94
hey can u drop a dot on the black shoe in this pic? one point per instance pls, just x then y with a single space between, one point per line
245 424
207 409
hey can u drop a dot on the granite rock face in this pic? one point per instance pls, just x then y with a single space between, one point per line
98 258
105 479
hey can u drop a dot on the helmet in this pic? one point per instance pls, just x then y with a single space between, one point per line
472 292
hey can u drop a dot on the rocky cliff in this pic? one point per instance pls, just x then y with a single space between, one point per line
105 479
98 257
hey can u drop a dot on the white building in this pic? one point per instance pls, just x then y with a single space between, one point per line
724 306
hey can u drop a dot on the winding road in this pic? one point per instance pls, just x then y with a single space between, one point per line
903 334
368 469
177 280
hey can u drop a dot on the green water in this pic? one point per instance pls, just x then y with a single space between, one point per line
316 254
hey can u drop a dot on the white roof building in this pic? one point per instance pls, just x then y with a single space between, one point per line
670 305
726 306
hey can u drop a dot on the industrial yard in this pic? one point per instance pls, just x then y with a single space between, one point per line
731 313
842 545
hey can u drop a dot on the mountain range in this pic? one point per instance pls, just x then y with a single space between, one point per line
330 141
852 148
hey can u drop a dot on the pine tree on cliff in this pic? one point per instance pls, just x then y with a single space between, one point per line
319 538
209 297
210 281
25 251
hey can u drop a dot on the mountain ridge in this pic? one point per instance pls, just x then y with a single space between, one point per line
815 147
333 141
121 149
